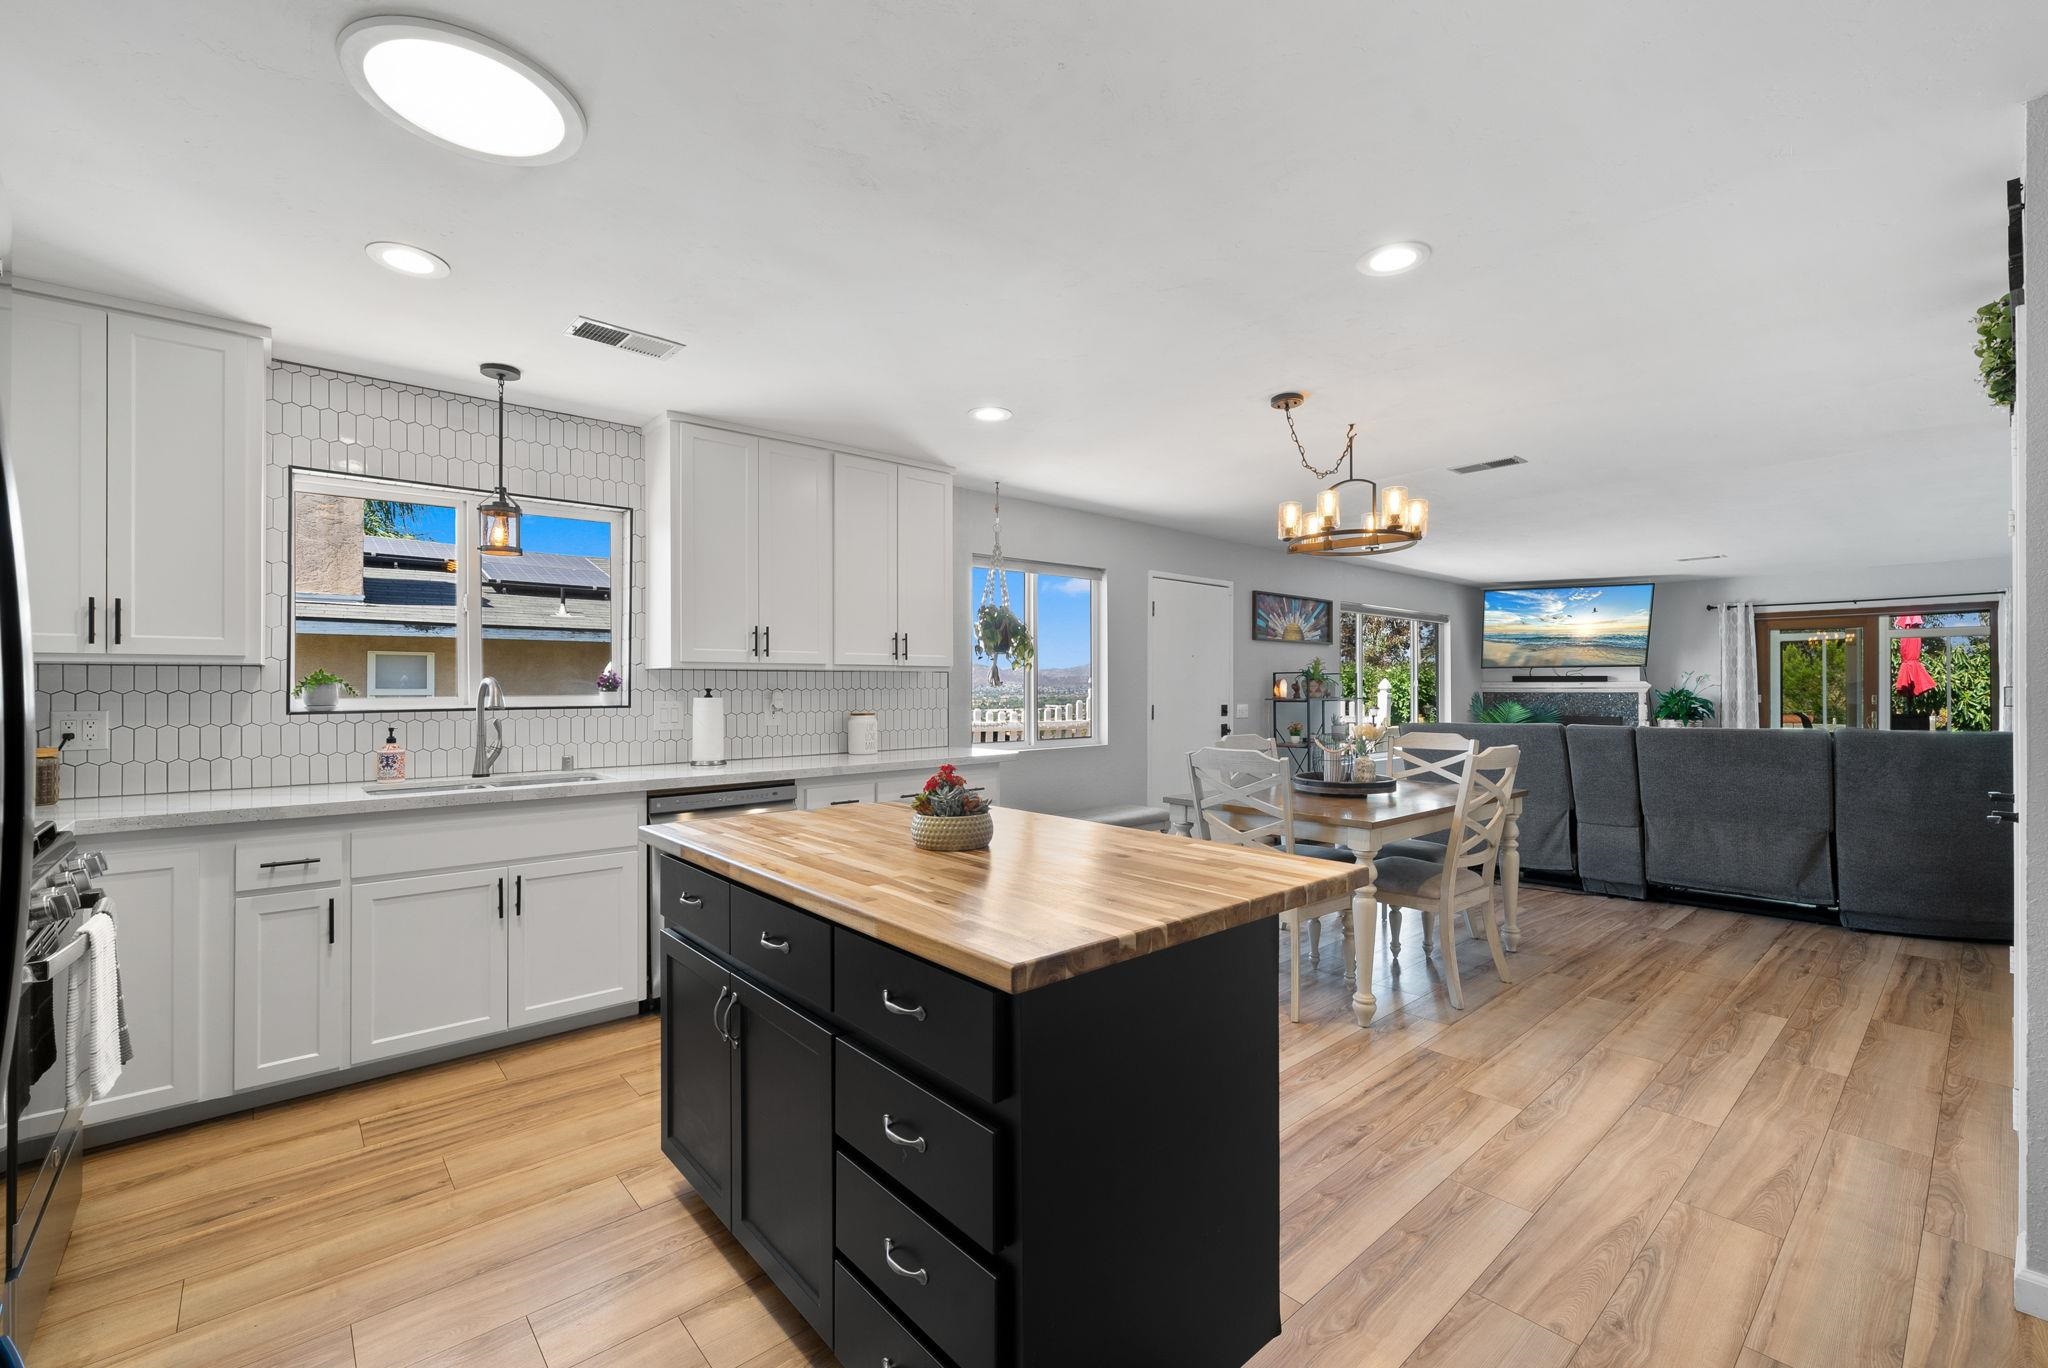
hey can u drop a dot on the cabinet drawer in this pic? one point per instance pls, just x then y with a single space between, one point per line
928 1015
289 862
866 1334
836 795
790 949
940 1154
939 1287
694 902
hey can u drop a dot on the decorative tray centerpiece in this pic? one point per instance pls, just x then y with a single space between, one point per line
1348 767
948 815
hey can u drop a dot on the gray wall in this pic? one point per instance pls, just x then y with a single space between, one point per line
1128 552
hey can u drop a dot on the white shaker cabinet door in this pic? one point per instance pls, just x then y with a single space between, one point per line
578 934
715 549
427 962
57 437
291 985
794 538
864 630
157 897
924 567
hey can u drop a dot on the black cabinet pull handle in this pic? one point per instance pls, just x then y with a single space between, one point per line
894 637
754 642
718 1010
689 900
518 895
92 618
895 1008
330 921
906 645
767 640
501 897
842 802
909 1142
289 864
916 1275
779 944
117 622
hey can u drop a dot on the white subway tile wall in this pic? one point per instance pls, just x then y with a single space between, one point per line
180 728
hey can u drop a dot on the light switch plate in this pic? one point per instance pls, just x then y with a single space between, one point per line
89 730
668 718
1244 710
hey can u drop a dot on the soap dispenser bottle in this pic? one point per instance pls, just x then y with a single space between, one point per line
390 758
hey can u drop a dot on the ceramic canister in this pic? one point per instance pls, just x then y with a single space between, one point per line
863 734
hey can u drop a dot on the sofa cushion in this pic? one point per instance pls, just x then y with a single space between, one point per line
1607 809
1545 829
1742 812
1912 847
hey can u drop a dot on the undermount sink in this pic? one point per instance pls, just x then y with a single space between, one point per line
496 781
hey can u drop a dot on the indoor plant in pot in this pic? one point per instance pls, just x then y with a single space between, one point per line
1315 678
322 690
1683 705
947 815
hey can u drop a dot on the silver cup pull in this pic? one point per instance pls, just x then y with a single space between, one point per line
909 1142
916 1275
779 944
895 1008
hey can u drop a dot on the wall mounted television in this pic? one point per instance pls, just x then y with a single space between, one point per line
1567 626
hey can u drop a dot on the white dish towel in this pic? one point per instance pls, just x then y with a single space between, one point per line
93 1015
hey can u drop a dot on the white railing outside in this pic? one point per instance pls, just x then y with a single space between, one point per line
1056 722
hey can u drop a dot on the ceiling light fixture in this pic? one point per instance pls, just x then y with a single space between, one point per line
1395 258
500 517
461 90
989 413
406 260
1391 521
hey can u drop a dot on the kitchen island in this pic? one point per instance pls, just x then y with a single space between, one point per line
1012 1108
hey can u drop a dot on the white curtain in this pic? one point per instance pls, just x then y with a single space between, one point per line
1738 665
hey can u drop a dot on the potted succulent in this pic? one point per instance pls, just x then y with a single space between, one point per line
947 815
1683 705
1315 678
321 690
1295 731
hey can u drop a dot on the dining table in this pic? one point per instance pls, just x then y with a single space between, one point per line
1366 824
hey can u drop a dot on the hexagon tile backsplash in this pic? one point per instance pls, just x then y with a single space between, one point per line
179 728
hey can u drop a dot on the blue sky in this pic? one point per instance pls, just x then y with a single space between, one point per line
564 536
1062 614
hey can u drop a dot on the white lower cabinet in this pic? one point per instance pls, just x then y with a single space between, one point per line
158 896
576 933
427 962
291 985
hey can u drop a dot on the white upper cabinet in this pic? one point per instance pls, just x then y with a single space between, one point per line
794 518
893 564
139 444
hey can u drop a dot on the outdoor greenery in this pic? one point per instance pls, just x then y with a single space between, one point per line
1961 667
1510 710
1997 365
1684 703
1383 644
390 518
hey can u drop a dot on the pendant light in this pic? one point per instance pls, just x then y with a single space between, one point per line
500 517
1390 520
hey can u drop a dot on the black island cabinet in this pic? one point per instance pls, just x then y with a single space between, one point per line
941 1174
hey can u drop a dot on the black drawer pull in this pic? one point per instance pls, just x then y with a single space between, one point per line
688 901
909 1142
779 944
842 802
289 864
895 1008
916 1275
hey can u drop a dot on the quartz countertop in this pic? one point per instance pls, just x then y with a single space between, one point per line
220 807
1051 898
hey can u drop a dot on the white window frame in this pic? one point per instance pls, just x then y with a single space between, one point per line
1414 621
370 675
1098 638
468 569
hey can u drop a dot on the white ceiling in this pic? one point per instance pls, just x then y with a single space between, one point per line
1709 268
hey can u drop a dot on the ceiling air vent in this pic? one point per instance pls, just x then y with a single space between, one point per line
624 339
1478 466
1718 555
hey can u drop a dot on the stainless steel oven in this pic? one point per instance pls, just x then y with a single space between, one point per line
699 805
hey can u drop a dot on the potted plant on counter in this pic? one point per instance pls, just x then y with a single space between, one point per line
947 815
321 690
1683 705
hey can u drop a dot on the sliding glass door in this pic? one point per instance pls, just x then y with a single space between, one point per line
1817 675
1902 669
1406 652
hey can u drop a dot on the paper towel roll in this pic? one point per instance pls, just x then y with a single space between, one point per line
707 730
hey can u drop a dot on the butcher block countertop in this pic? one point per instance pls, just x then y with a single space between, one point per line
1051 898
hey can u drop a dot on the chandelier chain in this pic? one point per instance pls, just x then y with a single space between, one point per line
1350 438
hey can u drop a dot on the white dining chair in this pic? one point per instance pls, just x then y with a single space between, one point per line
1245 796
1315 850
1461 880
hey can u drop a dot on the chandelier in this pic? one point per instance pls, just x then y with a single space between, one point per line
1383 520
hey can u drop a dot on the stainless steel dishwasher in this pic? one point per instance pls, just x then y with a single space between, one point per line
698 805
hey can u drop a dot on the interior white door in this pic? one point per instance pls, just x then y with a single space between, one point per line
1190 671
427 962
576 935
184 489
864 630
716 488
924 566
57 432
794 534
291 985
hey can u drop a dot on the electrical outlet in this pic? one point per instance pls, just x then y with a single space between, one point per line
88 730
668 718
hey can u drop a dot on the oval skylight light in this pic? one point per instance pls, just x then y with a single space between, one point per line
461 90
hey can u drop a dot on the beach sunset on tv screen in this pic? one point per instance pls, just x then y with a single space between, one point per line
1595 624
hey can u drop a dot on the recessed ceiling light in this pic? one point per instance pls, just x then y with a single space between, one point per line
1393 258
406 260
989 413
461 90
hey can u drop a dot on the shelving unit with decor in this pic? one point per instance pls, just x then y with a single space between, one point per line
1317 715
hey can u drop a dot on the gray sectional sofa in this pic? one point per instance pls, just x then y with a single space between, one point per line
1886 829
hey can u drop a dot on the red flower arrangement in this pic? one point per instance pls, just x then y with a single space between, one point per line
946 794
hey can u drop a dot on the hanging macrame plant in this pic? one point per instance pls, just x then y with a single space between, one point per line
998 631
1997 359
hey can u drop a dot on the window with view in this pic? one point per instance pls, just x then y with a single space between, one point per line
1407 652
389 596
1056 698
1909 667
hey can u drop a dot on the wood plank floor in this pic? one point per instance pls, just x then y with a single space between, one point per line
1682 1137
